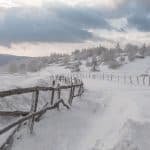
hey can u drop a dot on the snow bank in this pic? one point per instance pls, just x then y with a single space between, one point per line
108 117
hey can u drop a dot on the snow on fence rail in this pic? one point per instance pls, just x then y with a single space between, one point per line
138 80
34 115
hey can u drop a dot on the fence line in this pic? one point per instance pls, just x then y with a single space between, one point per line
34 115
137 80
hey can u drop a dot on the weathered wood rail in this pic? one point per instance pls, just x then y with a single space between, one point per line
14 113
34 89
34 115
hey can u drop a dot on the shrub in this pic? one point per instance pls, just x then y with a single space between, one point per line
114 64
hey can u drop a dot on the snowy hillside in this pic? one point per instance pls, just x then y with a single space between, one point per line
109 116
5 59
74 74
23 102
138 66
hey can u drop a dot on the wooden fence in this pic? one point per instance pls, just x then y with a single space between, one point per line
34 115
137 80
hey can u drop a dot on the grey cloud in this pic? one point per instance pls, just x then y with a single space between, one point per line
47 24
141 18
141 22
63 23
140 15
137 13
86 17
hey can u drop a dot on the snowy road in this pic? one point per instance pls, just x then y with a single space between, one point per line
107 117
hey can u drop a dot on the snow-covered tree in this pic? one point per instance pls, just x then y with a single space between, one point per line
131 51
94 64
142 51
76 66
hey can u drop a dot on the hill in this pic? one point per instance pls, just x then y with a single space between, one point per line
5 59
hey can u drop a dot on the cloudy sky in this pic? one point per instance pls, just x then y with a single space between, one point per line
39 27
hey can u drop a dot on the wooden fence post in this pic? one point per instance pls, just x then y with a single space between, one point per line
59 91
35 96
144 80
53 92
79 91
118 78
131 80
125 79
70 96
111 77
58 94
137 78
73 90
82 88
103 76
53 83
52 97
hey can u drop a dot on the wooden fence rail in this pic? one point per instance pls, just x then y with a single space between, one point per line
34 115
14 113
34 89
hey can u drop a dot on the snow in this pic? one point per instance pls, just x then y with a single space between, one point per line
138 66
5 136
9 81
23 102
109 116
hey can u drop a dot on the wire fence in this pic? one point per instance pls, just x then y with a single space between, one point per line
124 79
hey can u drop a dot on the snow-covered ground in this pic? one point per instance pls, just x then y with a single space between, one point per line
106 117
109 116
9 81
23 102
138 66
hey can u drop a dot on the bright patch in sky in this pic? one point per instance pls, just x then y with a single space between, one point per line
8 3
99 3
120 24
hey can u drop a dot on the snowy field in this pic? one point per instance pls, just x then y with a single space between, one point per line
23 102
109 116
137 67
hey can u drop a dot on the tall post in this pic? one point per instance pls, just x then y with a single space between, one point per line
131 80
144 80
52 96
137 78
111 77
73 90
103 76
53 92
70 96
125 78
59 91
118 78
35 96
58 94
